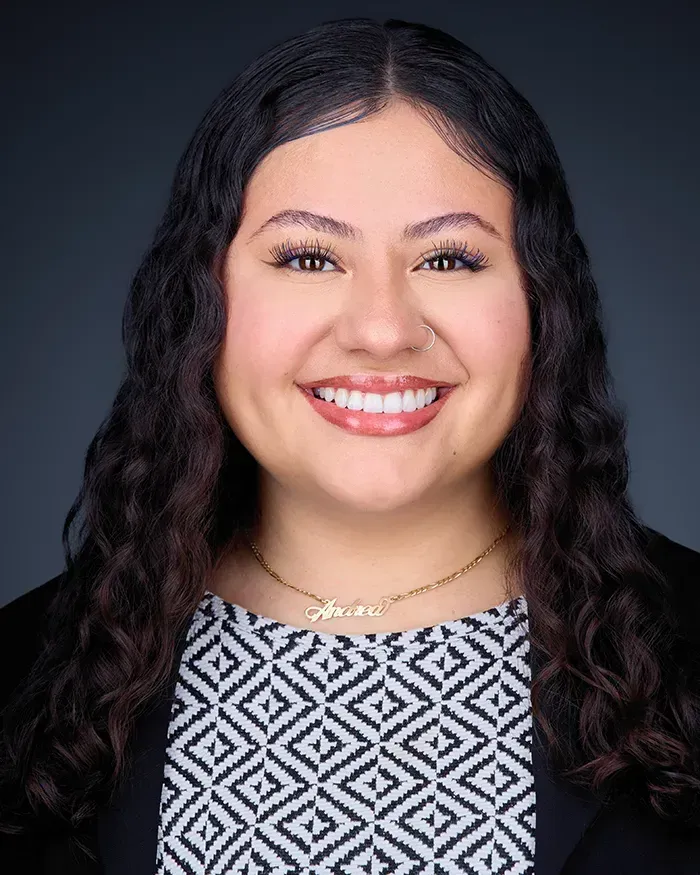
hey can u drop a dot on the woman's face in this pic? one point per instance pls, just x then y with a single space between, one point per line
354 311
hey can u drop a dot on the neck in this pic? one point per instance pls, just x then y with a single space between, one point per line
362 557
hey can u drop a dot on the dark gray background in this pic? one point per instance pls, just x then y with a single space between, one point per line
100 98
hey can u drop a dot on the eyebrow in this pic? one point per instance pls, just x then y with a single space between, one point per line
412 231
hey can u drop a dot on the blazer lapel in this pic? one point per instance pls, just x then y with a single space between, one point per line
563 812
127 830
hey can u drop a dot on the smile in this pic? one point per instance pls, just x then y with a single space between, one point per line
373 402
369 413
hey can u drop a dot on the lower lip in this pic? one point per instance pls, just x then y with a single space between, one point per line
376 424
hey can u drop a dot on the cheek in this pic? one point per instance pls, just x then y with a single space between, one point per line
492 342
493 349
264 347
493 335
270 328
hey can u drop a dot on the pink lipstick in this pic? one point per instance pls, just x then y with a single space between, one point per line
362 422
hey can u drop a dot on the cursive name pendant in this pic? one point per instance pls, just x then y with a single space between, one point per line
330 610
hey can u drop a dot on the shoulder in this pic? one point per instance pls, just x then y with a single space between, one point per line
680 565
23 623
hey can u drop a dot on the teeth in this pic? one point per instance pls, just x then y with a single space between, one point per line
393 403
409 401
371 402
355 400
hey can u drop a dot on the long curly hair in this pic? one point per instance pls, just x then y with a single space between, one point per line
167 484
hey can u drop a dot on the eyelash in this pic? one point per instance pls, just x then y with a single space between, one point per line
474 260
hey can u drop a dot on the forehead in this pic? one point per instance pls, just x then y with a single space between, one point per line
383 171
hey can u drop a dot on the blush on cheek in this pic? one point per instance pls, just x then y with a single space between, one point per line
501 335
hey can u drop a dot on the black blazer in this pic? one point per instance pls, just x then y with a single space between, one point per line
575 835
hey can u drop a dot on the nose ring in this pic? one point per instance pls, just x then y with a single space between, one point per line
432 341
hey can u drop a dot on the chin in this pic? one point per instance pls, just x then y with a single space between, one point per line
373 503
369 491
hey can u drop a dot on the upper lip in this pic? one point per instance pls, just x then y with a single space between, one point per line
376 382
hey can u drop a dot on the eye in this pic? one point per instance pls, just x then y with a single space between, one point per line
310 253
451 251
305 252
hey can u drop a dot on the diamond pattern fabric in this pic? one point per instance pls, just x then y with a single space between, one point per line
301 752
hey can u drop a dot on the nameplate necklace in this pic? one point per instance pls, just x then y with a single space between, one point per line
329 609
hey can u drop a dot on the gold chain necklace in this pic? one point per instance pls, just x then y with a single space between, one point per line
330 611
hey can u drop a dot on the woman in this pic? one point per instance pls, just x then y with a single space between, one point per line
357 585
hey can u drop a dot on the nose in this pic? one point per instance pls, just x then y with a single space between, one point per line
380 319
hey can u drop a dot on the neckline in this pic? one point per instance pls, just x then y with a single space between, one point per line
276 633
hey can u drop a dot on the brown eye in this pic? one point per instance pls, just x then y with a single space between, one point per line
443 258
306 262
449 254
308 255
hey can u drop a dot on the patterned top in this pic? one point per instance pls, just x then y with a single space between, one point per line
302 752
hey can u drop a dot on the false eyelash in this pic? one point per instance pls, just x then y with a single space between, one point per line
474 260
286 253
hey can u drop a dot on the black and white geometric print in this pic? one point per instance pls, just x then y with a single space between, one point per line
398 753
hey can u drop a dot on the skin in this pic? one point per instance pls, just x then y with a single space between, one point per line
360 517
